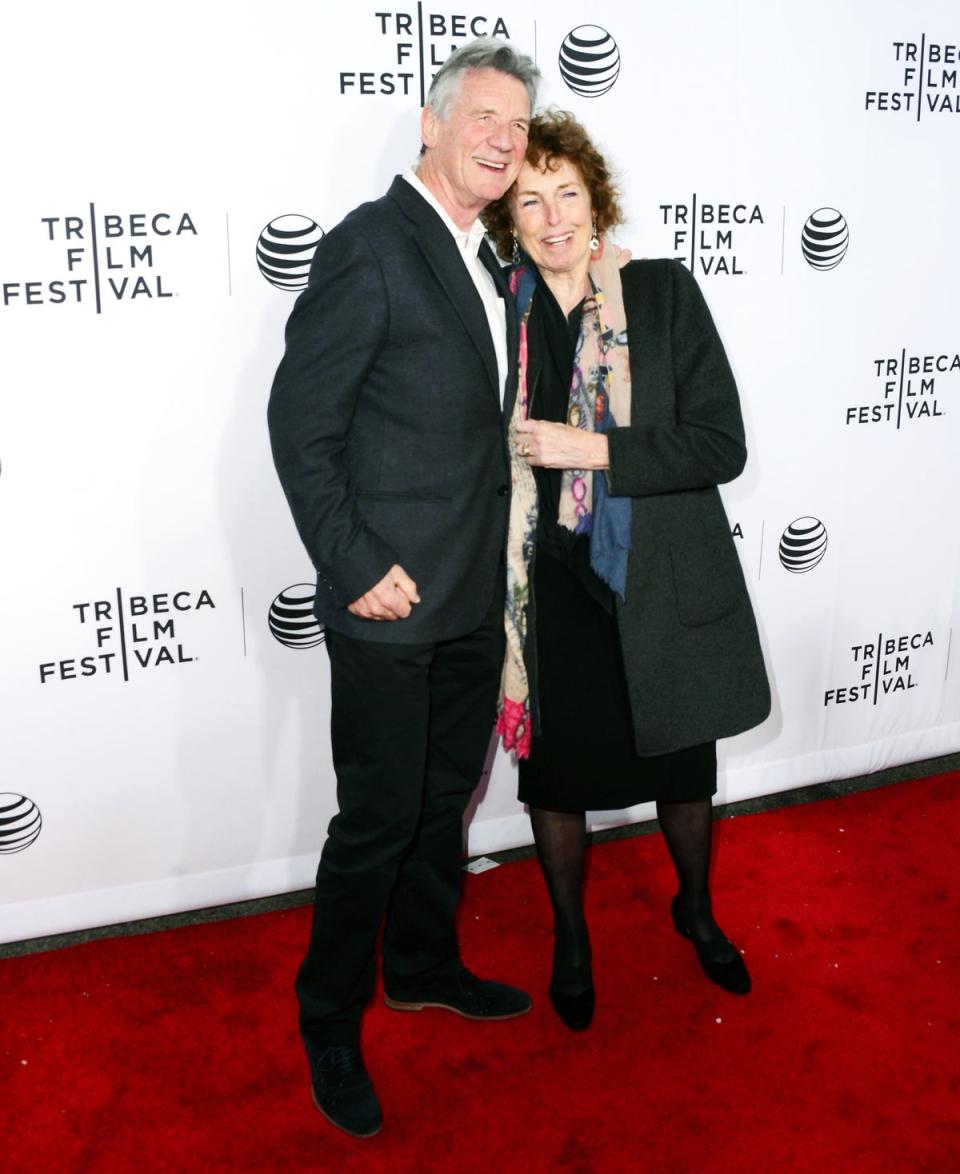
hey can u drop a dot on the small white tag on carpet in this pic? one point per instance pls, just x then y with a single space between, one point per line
481 864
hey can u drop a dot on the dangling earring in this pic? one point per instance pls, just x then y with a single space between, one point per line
515 258
594 240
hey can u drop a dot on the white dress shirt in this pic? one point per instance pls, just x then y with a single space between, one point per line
468 245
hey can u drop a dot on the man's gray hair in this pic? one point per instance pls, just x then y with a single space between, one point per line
483 53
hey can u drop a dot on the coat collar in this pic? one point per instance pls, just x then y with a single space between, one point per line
443 256
468 240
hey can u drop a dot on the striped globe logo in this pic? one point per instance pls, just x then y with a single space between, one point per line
803 545
285 250
589 60
291 617
825 238
20 822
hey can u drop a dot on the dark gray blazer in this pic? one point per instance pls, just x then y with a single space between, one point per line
694 667
386 424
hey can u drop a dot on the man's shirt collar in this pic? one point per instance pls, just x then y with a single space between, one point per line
469 240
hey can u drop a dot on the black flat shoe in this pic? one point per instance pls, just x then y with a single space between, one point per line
571 983
718 956
576 1011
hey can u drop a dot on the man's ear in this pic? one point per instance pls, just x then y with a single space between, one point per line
428 127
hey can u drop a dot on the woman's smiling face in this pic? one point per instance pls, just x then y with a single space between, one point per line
553 216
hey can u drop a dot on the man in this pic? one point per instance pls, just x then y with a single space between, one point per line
387 420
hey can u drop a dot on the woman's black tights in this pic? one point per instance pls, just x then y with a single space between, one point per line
688 830
561 838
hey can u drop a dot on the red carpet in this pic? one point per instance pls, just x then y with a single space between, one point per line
177 1050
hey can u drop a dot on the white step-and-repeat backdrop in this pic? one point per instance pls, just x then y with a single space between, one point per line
168 171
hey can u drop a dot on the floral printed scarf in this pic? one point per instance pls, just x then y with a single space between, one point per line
599 400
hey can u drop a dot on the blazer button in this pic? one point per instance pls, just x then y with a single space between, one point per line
503 490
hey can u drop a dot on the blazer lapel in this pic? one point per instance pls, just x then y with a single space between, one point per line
440 251
499 275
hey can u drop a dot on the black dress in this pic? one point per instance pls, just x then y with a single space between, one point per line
584 757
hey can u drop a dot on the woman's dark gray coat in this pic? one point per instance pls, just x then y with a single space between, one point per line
693 663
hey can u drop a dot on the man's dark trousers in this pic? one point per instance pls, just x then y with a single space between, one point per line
410 727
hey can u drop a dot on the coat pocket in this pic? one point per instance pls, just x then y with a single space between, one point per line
707 581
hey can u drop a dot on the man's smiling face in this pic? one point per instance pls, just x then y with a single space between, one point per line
476 151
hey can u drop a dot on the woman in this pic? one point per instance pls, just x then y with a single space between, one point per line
631 643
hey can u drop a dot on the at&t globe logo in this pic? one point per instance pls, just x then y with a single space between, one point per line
803 545
291 617
589 61
20 822
825 238
285 250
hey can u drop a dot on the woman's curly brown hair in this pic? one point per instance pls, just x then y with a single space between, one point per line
554 136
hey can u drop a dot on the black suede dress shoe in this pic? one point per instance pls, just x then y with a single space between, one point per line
464 993
342 1089
718 956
